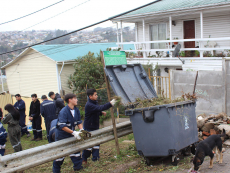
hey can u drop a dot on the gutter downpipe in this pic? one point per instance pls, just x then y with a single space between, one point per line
63 63
58 82
2 82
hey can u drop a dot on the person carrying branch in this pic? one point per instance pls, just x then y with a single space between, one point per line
92 113
68 118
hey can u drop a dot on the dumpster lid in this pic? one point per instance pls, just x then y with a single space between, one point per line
130 82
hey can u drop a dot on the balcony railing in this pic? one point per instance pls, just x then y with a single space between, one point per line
201 48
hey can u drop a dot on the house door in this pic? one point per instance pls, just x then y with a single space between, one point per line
189 33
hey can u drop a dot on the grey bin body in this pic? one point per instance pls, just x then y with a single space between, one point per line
165 130
159 130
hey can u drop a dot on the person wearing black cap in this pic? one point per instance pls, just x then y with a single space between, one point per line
58 102
35 117
21 107
48 111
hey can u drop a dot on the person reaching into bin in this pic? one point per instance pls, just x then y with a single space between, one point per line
48 111
14 129
68 118
92 113
21 107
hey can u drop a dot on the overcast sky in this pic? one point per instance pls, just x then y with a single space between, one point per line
83 15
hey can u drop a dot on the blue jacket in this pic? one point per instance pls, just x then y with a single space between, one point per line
20 106
3 135
52 130
92 114
48 110
65 119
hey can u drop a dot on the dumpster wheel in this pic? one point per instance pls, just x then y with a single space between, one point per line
175 160
147 161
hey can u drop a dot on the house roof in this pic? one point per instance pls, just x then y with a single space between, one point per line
66 52
69 52
165 5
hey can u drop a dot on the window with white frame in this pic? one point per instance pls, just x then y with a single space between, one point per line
158 32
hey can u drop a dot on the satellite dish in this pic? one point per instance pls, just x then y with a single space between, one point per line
176 52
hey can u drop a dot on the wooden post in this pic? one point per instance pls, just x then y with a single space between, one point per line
194 89
118 115
149 74
170 97
111 109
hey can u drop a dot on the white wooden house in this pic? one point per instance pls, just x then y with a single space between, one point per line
44 68
201 27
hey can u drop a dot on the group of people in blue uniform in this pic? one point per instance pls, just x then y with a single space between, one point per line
60 122
68 118
16 119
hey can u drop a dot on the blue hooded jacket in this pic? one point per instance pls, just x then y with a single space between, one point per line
52 130
20 106
3 135
93 111
48 110
66 119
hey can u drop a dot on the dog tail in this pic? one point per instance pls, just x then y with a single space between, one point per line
223 134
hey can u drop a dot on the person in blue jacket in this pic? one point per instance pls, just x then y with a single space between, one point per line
48 111
21 107
93 111
52 131
68 118
3 136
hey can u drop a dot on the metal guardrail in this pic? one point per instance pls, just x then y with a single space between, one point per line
39 155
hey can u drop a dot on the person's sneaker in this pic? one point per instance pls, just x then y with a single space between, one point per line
38 139
84 162
33 139
79 169
28 135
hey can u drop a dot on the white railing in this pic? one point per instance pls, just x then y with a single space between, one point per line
201 47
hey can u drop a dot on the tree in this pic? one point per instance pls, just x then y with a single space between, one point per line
88 71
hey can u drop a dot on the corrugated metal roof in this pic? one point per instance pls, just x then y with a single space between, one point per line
66 52
165 5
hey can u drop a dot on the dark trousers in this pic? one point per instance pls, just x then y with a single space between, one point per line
94 151
22 124
15 137
76 159
47 123
2 152
37 129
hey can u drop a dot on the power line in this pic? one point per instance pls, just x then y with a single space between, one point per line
32 13
55 15
105 20
50 17
58 47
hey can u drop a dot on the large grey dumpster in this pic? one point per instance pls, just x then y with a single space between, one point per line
161 130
